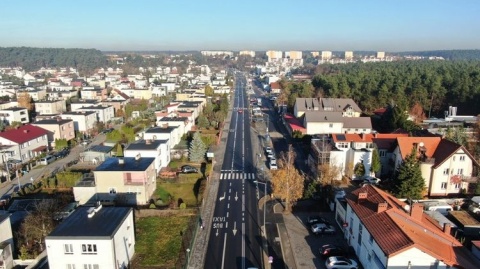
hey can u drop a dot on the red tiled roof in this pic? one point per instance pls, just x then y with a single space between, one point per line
364 137
275 85
294 123
406 144
23 134
395 231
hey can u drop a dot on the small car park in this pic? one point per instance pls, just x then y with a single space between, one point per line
186 169
339 262
322 228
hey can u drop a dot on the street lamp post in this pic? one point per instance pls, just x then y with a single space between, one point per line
188 256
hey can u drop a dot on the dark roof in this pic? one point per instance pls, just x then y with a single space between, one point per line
99 106
174 119
129 164
143 145
49 101
104 223
78 113
14 108
160 129
24 133
86 101
101 148
57 121
3 217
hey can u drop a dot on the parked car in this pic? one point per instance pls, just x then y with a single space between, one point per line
240 111
268 150
47 159
189 169
270 155
322 228
316 219
273 166
106 131
331 250
340 263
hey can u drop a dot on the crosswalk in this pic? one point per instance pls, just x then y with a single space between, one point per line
237 176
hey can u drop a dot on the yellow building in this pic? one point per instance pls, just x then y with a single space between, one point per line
326 55
348 55
274 54
380 54
294 55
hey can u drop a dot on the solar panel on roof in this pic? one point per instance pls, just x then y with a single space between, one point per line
341 137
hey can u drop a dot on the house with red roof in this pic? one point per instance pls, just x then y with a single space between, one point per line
275 87
385 232
24 143
447 167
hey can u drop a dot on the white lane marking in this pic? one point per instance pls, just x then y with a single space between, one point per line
224 246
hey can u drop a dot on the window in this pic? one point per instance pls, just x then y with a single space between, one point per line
71 266
445 171
462 158
68 248
113 191
38 139
370 239
330 125
89 249
460 171
444 186
382 153
457 186
90 266
453 158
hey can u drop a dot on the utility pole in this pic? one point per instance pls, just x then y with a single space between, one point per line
288 176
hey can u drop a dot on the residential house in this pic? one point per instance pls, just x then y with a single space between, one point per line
385 146
57 128
447 167
74 106
93 238
275 88
93 93
171 133
387 233
26 142
184 123
83 121
104 113
62 93
142 93
6 242
117 104
35 94
346 106
97 154
320 122
158 149
196 107
128 181
14 114
50 107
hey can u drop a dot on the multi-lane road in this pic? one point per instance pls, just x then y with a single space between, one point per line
235 239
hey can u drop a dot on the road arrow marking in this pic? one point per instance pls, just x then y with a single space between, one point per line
236 196
217 232
235 228
223 197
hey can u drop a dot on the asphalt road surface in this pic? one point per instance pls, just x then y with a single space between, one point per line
235 239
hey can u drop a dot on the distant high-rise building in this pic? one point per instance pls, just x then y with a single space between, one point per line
274 54
216 53
247 52
294 55
326 55
315 53
380 54
348 55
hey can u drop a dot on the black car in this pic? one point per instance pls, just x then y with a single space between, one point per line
316 219
106 131
189 169
331 250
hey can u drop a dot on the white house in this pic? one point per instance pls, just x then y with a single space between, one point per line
158 149
446 167
48 107
25 142
93 238
184 124
83 121
164 132
387 233
14 114
6 242
104 113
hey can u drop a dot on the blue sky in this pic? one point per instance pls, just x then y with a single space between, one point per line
242 24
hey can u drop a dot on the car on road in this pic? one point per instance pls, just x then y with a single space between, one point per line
268 150
331 250
47 159
340 262
186 169
240 111
273 166
106 131
316 219
322 228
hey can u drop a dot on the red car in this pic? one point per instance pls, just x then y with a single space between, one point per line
240 111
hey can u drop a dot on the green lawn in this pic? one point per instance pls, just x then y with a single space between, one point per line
177 191
159 240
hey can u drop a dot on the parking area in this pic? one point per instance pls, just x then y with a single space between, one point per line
305 245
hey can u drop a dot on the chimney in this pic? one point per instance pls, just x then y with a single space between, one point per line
137 157
148 141
447 228
362 135
382 207
121 161
416 211
25 131
362 196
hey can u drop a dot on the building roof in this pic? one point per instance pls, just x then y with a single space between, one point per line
57 121
357 122
146 144
161 129
95 107
321 116
49 101
78 225
363 137
275 85
23 133
80 113
406 144
3 217
13 108
174 119
86 101
395 230
129 164
326 104
101 148
294 123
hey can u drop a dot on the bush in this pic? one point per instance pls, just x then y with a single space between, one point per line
183 206
159 202
152 206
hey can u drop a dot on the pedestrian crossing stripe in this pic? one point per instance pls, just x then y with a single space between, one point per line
237 176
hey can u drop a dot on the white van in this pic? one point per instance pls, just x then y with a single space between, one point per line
443 208
47 159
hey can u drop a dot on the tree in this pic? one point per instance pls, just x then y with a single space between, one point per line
197 148
208 90
203 122
61 144
287 182
359 169
376 164
24 100
409 182
119 150
328 174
